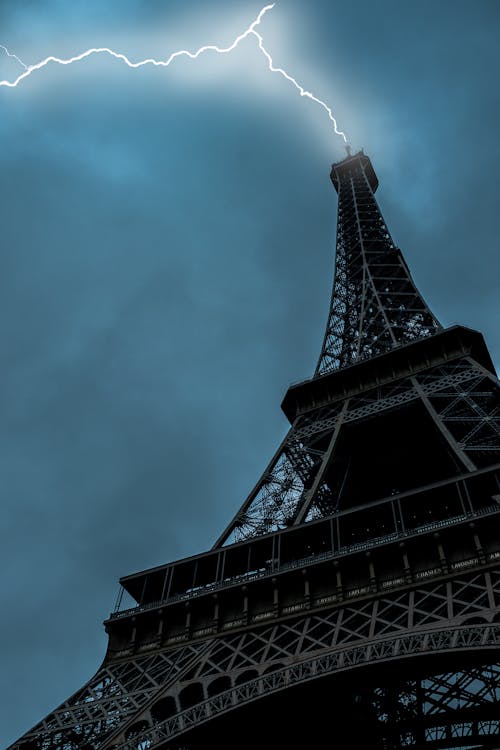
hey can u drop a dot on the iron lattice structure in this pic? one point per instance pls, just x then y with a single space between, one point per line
375 304
356 593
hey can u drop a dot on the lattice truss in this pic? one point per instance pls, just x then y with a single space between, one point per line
279 644
126 699
444 710
252 687
461 395
375 304
470 410
116 692
281 491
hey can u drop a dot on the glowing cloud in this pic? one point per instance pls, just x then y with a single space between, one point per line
251 30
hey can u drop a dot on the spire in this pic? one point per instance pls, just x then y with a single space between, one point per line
375 304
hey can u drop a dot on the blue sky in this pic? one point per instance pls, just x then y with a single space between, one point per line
167 243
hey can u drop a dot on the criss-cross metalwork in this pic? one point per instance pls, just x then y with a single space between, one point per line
375 304
359 583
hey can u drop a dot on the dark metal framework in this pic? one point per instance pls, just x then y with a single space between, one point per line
359 583
375 304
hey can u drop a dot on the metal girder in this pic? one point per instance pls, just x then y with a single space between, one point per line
372 310
160 683
443 688
473 687
461 396
127 694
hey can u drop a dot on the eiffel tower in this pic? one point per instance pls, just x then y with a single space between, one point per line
353 601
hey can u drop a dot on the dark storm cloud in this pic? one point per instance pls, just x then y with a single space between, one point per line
166 267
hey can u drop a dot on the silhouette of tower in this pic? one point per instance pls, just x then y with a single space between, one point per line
353 601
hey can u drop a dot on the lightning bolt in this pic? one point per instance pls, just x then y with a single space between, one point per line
16 58
250 31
